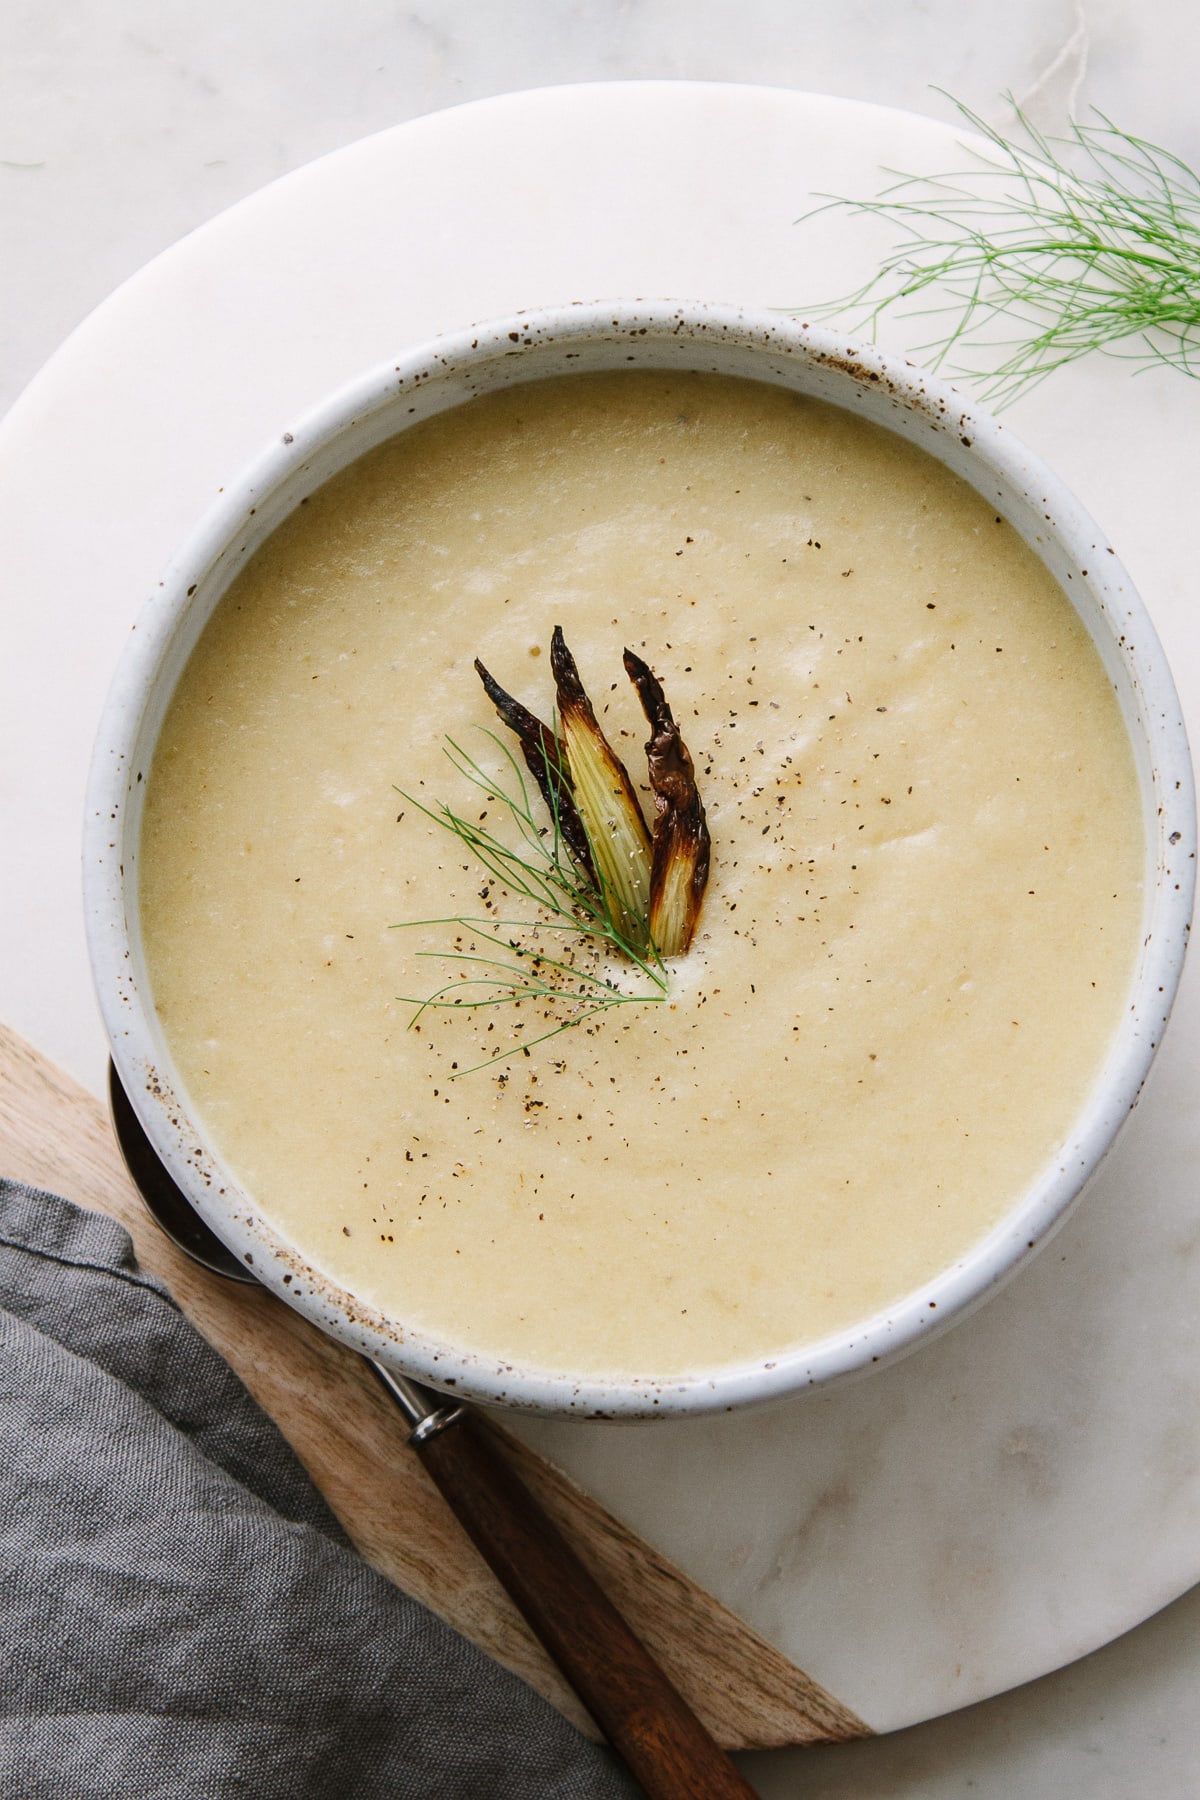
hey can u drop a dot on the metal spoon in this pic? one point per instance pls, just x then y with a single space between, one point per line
642 1714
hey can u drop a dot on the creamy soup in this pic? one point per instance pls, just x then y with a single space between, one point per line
917 939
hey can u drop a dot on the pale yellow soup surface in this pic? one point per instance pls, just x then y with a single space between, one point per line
918 936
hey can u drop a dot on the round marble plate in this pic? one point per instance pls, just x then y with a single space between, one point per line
1024 1488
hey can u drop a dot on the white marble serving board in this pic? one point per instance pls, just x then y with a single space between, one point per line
1026 1487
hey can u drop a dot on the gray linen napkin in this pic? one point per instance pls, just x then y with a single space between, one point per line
180 1613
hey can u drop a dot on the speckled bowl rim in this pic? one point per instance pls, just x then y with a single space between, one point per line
823 362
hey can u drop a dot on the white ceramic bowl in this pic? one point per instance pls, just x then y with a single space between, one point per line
823 364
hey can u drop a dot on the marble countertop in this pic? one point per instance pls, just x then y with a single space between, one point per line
124 126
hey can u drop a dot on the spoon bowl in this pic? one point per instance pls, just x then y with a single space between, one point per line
172 1212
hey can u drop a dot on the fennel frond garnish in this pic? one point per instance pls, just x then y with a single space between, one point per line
610 897
1046 249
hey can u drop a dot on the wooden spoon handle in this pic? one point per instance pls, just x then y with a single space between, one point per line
642 1714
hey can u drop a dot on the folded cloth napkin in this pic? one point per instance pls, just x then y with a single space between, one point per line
181 1614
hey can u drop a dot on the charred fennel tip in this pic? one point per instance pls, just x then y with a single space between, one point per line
651 884
679 872
546 758
616 831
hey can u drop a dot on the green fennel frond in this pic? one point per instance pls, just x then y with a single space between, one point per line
506 962
1045 249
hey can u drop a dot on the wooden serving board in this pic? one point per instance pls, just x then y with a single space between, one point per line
56 1135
